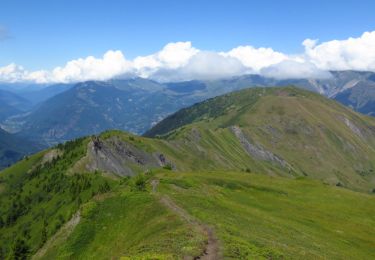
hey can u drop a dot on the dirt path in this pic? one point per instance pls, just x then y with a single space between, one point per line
211 251
62 234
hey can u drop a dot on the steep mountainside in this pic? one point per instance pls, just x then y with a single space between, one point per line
360 97
296 129
92 107
13 148
259 173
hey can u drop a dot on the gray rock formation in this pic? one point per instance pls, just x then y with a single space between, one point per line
116 156
256 150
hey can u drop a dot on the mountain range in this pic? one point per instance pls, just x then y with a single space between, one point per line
58 113
256 173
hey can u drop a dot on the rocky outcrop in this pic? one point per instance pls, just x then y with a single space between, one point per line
256 150
352 126
116 156
51 155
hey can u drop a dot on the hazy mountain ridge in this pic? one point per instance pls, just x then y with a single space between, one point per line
14 148
137 104
12 104
92 107
360 97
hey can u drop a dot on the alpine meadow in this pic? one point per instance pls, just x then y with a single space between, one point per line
230 142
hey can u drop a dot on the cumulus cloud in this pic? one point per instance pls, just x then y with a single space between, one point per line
181 61
172 56
111 65
351 54
12 73
256 58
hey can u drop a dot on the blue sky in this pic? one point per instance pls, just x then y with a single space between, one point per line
45 34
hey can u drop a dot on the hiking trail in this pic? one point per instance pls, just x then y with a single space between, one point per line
211 250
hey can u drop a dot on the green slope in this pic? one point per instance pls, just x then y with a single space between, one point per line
133 224
256 216
37 197
317 137
220 165
252 216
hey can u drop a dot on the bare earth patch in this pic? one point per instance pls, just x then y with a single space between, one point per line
62 234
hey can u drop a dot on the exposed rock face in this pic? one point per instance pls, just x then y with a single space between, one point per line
352 126
51 155
116 156
102 158
196 135
256 150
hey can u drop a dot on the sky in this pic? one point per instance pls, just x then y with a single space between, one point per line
73 40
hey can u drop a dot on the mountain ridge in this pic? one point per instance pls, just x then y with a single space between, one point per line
289 158
137 104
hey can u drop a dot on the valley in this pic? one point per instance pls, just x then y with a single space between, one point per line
52 114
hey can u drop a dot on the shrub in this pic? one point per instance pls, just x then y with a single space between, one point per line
20 249
140 182
168 166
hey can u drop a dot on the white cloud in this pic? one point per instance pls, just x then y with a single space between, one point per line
111 65
209 65
309 43
203 65
351 54
182 61
291 69
12 73
256 59
172 56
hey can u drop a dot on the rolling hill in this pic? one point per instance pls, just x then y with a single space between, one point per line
258 173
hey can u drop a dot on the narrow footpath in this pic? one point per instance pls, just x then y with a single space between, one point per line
211 250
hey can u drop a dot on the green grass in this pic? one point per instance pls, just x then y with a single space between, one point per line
254 217
318 137
257 216
38 198
132 225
